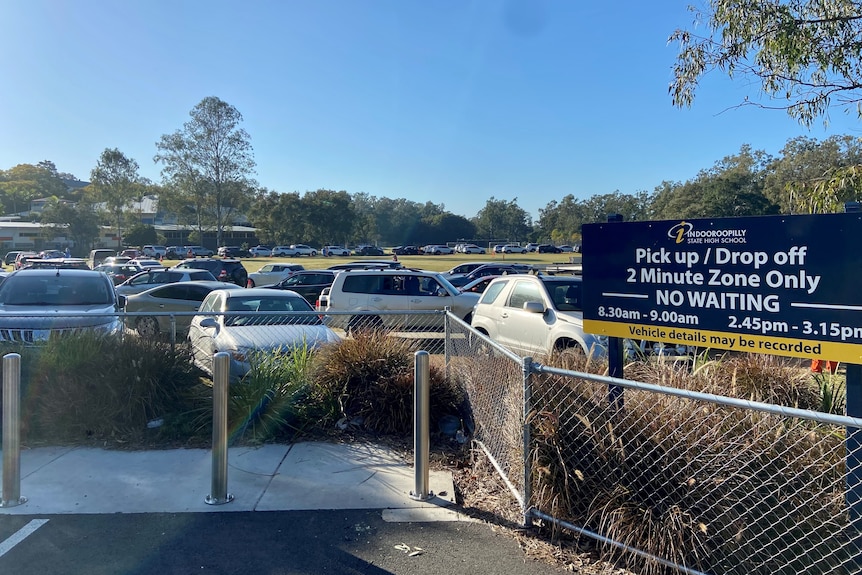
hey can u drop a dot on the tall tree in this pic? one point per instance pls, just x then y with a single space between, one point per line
78 222
804 53
116 180
210 163
502 220
25 182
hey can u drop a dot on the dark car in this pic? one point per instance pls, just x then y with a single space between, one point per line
369 251
233 252
118 272
307 283
488 270
224 270
405 251
548 249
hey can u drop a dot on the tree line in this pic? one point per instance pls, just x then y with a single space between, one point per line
207 184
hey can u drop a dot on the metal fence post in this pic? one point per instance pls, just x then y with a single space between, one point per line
447 342
221 381
527 370
11 493
853 466
173 332
421 432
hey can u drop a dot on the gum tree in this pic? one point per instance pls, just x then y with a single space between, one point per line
209 163
805 54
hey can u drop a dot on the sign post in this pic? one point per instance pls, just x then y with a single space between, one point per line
778 285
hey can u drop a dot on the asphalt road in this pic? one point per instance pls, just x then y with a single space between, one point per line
295 542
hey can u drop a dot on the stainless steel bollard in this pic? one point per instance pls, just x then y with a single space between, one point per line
221 381
421 432
11 494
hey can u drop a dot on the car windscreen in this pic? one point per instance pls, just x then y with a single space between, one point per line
55 289
269 311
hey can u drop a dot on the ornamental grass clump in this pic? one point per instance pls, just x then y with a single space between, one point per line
367 381
86 387
714 488
273 401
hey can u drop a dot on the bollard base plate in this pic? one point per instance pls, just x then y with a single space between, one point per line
426 497
210 500
13 502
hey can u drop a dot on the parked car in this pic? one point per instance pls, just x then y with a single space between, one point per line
464 268
478 285
513 249
335 251
232 252
9 260
307 283
271 274
369 251
50 254
392 290
566 249
261 251
226 270
116 260
405 251
131 253
531 247
283 252
150 278
488 270
264 321
175 253
145 263
198 252
118 273
22 257
48 296
367 265
472 249
304 250
436 250
535 315
548 249
143 308
153 251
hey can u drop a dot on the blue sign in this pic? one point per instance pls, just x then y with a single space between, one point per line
780 285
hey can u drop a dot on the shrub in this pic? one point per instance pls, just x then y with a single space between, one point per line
368 380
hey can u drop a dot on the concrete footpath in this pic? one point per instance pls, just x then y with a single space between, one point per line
302 476
304 508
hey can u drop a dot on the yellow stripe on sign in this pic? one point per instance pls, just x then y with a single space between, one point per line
784 346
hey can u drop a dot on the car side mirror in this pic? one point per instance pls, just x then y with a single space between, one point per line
534 307
121 301
209 322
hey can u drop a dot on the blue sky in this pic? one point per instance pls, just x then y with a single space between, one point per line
448 101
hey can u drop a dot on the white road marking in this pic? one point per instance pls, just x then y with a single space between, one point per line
20 535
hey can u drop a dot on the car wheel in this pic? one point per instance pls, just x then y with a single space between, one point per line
364 325
147 326
313 254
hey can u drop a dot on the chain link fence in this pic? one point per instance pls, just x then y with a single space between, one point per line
665 478
661 477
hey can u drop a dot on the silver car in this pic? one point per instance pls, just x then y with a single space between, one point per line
536 315
38 303
151 278
147 312
263 321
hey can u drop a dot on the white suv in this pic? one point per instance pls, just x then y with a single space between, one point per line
535 315
402 290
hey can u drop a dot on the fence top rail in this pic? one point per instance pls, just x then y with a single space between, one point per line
122 313
818 416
